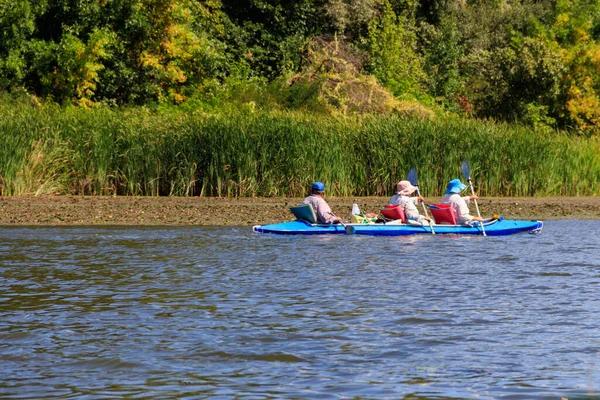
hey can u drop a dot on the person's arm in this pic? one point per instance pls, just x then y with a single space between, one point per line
416 200
468 198
325 214
463 210
330 217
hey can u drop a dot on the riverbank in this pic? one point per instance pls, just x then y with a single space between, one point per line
123 210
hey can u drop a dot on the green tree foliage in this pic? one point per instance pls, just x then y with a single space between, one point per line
352 18
575 28
532 61
113 50
394 59
17 23
501 82
442 51
492 67
272 34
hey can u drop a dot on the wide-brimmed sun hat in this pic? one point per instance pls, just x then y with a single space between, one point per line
405 188
455 186
318 186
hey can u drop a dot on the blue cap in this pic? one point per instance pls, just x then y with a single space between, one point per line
455 186
318 186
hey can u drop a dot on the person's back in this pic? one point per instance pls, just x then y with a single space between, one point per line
459 203
409 204
320 206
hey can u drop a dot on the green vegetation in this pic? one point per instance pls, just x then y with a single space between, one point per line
103 151
532 62
260 97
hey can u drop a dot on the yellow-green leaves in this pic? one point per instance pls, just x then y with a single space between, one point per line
76 72
394 59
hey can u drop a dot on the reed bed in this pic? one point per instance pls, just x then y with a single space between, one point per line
101 151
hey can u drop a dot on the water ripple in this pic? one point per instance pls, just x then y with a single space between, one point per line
226 313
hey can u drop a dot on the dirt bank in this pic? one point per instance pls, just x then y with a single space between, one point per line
73 210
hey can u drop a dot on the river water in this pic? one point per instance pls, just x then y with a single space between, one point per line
204 312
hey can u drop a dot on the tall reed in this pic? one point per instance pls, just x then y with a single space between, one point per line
102 151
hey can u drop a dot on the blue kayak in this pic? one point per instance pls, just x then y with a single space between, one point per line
497 227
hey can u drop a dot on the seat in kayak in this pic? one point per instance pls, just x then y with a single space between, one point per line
394 212
304 212
443 214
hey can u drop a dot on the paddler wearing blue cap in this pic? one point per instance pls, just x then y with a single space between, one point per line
318 203
459 203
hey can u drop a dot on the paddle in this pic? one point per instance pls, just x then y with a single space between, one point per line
466 171
349 229
412 178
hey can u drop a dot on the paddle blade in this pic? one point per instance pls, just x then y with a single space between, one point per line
466 169
412 176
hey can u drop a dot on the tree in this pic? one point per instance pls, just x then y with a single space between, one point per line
272 34
116 50
394 59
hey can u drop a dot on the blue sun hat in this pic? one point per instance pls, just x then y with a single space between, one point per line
318 186
455 186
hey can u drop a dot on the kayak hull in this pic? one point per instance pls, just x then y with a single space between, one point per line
500 227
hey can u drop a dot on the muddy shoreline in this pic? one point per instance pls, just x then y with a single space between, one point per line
97 210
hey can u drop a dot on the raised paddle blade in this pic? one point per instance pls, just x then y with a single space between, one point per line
466 169
412 176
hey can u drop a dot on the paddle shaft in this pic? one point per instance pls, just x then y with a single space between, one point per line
412 178
476 206
340 221
466 171
422 203
349 229
425 211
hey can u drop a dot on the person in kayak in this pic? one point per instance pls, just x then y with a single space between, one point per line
409 204
459 203
318 203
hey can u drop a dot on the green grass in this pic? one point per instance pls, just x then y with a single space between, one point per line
102 151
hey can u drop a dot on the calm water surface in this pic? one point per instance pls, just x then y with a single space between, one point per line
102 313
